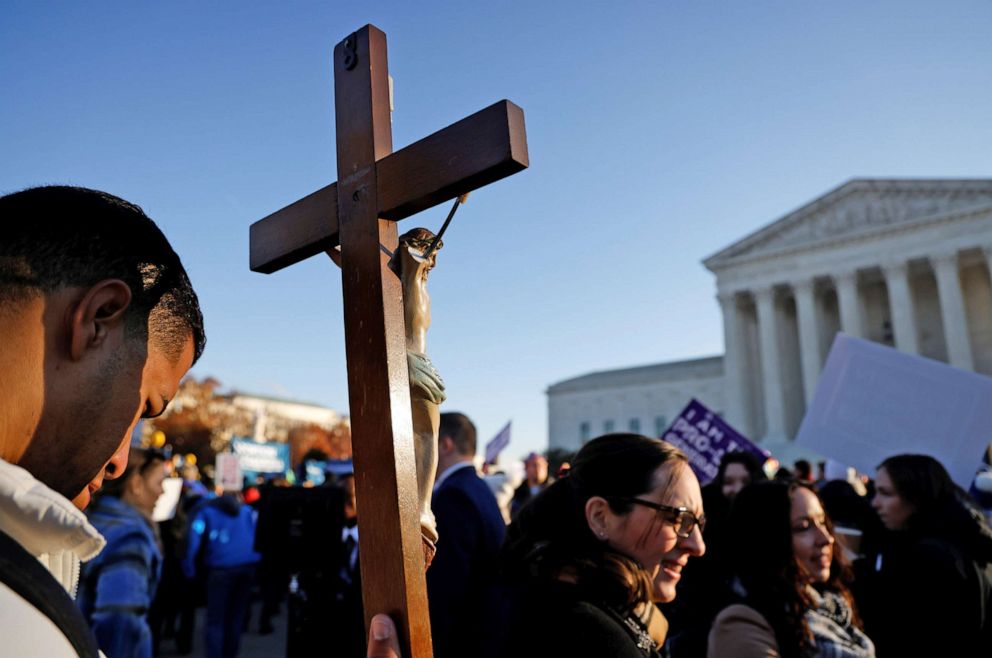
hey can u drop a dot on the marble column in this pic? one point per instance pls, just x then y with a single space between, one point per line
952 311
901 306
988 259
809 337
771 373
847 301
733 362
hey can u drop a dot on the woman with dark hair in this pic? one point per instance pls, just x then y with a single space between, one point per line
585 560
930 591
794 601
737 470
705 588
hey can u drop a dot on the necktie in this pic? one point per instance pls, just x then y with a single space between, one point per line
350 536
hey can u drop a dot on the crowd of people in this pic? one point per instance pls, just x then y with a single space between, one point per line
622 554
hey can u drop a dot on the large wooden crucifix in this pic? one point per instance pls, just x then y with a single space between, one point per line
354 222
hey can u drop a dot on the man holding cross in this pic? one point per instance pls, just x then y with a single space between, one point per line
99 323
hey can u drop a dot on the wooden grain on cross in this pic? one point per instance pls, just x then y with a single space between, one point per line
358 213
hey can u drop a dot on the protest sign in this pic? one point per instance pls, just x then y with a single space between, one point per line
261 458
315 471
705 437
165 506
228 471
873 401
339 467
497 444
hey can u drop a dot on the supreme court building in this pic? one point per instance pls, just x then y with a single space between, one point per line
902 262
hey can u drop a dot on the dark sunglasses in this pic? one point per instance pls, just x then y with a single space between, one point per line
683 520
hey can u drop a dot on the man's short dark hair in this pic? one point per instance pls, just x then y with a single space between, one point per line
57 236
461 430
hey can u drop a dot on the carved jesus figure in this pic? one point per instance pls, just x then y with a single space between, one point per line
426 387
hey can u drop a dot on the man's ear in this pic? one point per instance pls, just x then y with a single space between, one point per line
597 516
96 315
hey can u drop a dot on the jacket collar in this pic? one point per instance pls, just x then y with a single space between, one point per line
41 520
451 470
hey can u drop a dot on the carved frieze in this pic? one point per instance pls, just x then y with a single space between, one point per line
860 206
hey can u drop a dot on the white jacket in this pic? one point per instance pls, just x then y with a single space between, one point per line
49 527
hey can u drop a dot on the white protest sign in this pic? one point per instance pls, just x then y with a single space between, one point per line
873 402
228 467
165 506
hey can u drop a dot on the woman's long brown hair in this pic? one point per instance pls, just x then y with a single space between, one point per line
550 538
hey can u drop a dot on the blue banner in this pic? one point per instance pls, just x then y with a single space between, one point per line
316 471
261 458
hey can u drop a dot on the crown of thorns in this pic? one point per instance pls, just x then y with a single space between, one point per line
420 238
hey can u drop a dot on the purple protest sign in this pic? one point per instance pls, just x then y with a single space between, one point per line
705 437
498 442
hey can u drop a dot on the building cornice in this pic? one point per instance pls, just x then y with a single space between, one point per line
864 235
640 375
882 188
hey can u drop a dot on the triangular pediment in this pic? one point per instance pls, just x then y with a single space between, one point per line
858 207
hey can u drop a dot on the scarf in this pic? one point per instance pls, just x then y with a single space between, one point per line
834 634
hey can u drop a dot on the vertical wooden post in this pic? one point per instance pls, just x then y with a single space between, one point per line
372 184
391 553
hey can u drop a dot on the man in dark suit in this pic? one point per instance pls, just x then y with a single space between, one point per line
330 595
343 619
464 603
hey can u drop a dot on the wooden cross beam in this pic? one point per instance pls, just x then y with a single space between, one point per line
358 214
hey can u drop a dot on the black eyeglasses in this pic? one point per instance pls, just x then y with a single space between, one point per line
683 519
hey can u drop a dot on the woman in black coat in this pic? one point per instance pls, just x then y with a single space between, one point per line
585 560
929 590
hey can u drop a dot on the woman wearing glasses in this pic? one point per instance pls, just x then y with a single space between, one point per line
794 601
585 560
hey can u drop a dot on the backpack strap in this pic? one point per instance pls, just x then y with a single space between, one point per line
25 575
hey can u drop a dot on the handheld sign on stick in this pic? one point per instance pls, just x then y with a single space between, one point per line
705 438
873 401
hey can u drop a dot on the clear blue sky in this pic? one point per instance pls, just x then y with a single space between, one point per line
659 132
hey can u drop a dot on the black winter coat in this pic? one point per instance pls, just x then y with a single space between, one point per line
924 596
